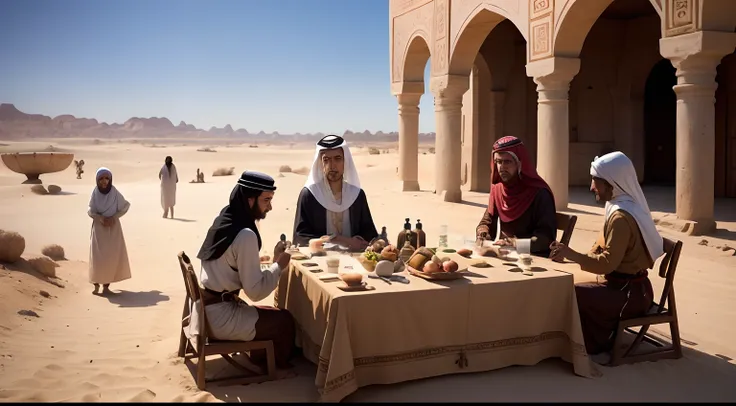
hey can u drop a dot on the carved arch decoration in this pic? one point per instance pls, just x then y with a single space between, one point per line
411 23
571 21
472 22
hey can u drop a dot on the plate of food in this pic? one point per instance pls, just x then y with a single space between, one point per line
424 264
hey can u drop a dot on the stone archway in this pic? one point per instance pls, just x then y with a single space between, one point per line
607 95
415 58
660 130
578 17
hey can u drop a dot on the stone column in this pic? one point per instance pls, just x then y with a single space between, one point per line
409 140
696 56
553 76
448 93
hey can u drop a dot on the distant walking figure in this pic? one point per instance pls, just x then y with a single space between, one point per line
169 179
108 256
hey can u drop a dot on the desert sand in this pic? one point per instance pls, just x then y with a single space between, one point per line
123 348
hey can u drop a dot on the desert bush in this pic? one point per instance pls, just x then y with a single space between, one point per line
224 171
374 151
252 146
284 168
431 150
12 246
206 149
54 251
44 265
301 171
54 189
39 190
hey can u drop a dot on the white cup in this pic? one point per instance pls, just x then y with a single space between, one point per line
333 264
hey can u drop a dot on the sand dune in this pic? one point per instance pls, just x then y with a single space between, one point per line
123 348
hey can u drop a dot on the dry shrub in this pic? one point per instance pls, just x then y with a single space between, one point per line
54 189
252 146
96 141
44 265
224 171
206 149
39 190
284 168
54 251
301 171
374 151
12 246
431 150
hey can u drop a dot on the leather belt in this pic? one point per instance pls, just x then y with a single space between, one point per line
210 296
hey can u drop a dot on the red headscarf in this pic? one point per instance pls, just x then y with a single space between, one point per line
511 201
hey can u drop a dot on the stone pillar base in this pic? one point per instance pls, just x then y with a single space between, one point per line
409 186
687 227
452 196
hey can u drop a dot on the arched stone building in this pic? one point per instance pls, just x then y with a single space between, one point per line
574 79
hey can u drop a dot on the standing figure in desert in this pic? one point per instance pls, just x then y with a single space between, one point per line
108 255
169 178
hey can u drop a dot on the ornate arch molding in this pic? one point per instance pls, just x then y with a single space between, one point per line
571 21
413 22
482 18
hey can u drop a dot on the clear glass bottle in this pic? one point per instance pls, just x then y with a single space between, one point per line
443 236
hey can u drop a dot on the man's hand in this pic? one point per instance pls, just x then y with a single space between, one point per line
284 260
505 241
493 251
356 243
559 251
480 239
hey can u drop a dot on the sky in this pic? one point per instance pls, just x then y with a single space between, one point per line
274 65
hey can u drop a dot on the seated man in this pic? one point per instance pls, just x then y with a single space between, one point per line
231 262
520 199
332 202
627 246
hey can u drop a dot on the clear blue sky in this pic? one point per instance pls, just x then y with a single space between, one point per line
273 65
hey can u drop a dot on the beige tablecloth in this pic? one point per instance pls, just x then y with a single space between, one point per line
491 318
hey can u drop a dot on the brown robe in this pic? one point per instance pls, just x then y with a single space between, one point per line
539 220
626 292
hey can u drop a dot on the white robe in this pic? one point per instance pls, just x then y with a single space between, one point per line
168 186
239 267
108 255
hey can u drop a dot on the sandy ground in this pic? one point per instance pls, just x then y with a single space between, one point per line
123 348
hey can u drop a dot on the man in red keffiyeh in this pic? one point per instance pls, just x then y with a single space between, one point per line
520 199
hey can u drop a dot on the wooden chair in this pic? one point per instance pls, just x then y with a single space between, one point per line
664 312
206 346
566 223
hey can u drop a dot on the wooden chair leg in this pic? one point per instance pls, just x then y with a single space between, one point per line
271 361
637 341
201 381
616 354
182 337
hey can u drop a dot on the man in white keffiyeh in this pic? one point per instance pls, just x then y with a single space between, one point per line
627 246
332 202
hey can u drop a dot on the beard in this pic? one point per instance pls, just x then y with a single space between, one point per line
334 176
257 213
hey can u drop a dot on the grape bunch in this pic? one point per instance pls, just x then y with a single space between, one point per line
371 256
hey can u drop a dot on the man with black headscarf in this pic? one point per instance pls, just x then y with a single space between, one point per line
231 262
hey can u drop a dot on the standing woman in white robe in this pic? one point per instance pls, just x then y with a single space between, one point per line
169 178
108 256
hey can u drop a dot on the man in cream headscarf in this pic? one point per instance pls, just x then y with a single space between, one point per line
332 202
628 246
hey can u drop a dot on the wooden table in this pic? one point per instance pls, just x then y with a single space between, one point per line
491 318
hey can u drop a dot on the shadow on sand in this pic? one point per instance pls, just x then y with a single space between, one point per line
124 298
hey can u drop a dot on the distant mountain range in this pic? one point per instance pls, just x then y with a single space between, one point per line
17 125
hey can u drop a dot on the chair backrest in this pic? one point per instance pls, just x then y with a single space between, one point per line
194 292
566 223
667 268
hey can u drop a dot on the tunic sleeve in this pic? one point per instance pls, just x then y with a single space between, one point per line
303 229
257 284
366 228
607 259
545 221
487 225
